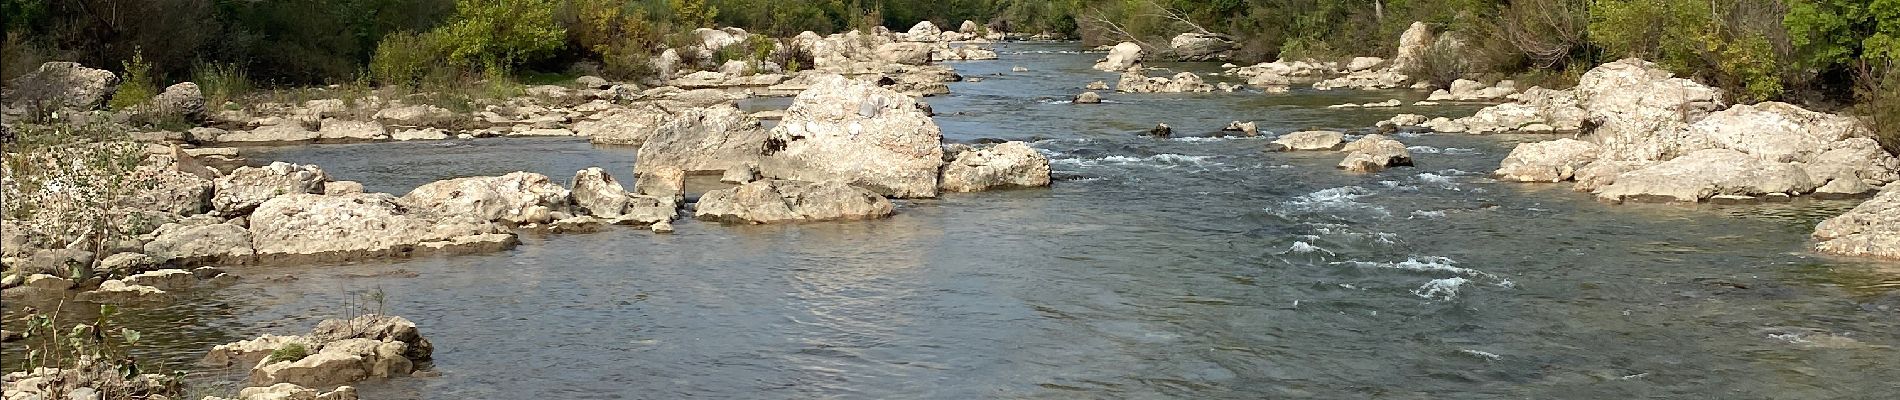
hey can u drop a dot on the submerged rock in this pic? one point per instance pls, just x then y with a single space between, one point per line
1869 230
778 201
1003 166
1088 98
857 133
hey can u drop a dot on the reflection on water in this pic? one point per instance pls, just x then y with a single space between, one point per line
1185 268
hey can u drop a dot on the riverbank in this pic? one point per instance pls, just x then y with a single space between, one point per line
1144 254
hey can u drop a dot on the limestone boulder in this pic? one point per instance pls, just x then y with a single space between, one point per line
703 140
781 201
905 53
1003 166
1121 58
857 133
1641 111
1552 161
1871 229
1374 153
247 187
1309 141
206 244
317 228
1704 174
514 198
63 85
629 126
1196 46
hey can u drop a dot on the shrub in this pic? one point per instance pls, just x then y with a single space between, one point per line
288 352
505 33
1549 33
1442 63
135 87
403 59
1877 89
221 82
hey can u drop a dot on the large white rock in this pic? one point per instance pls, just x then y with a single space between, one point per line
1309 141
1195 46
1641 111
66 84
1120 58
1413 44
860 134
1003 166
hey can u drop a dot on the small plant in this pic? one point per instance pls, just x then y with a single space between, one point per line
221 82
1877 88
136 88
289 352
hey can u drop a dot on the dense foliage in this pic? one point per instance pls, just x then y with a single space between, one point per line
1799 50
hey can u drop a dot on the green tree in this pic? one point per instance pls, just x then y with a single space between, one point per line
503 33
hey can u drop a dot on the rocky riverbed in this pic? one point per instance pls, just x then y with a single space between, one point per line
1382 256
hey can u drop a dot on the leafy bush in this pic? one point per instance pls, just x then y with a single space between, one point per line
403 59
504 33
693 13
290 352
135 86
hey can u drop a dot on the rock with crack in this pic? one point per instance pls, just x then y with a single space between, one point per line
781 201
702 140
857 133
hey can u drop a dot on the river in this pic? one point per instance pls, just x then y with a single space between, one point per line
1179 268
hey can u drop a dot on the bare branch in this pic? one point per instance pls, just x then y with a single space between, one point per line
1097 17
1175 16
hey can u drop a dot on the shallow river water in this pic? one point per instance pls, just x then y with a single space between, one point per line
1183 268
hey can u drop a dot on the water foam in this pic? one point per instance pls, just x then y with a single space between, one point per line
1441 289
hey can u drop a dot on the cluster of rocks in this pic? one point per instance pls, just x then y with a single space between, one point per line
338 352
843 147
87 378
1470 90
1654 137
1371 153
1413 45
1185 82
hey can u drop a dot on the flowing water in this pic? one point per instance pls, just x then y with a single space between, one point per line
1181 268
